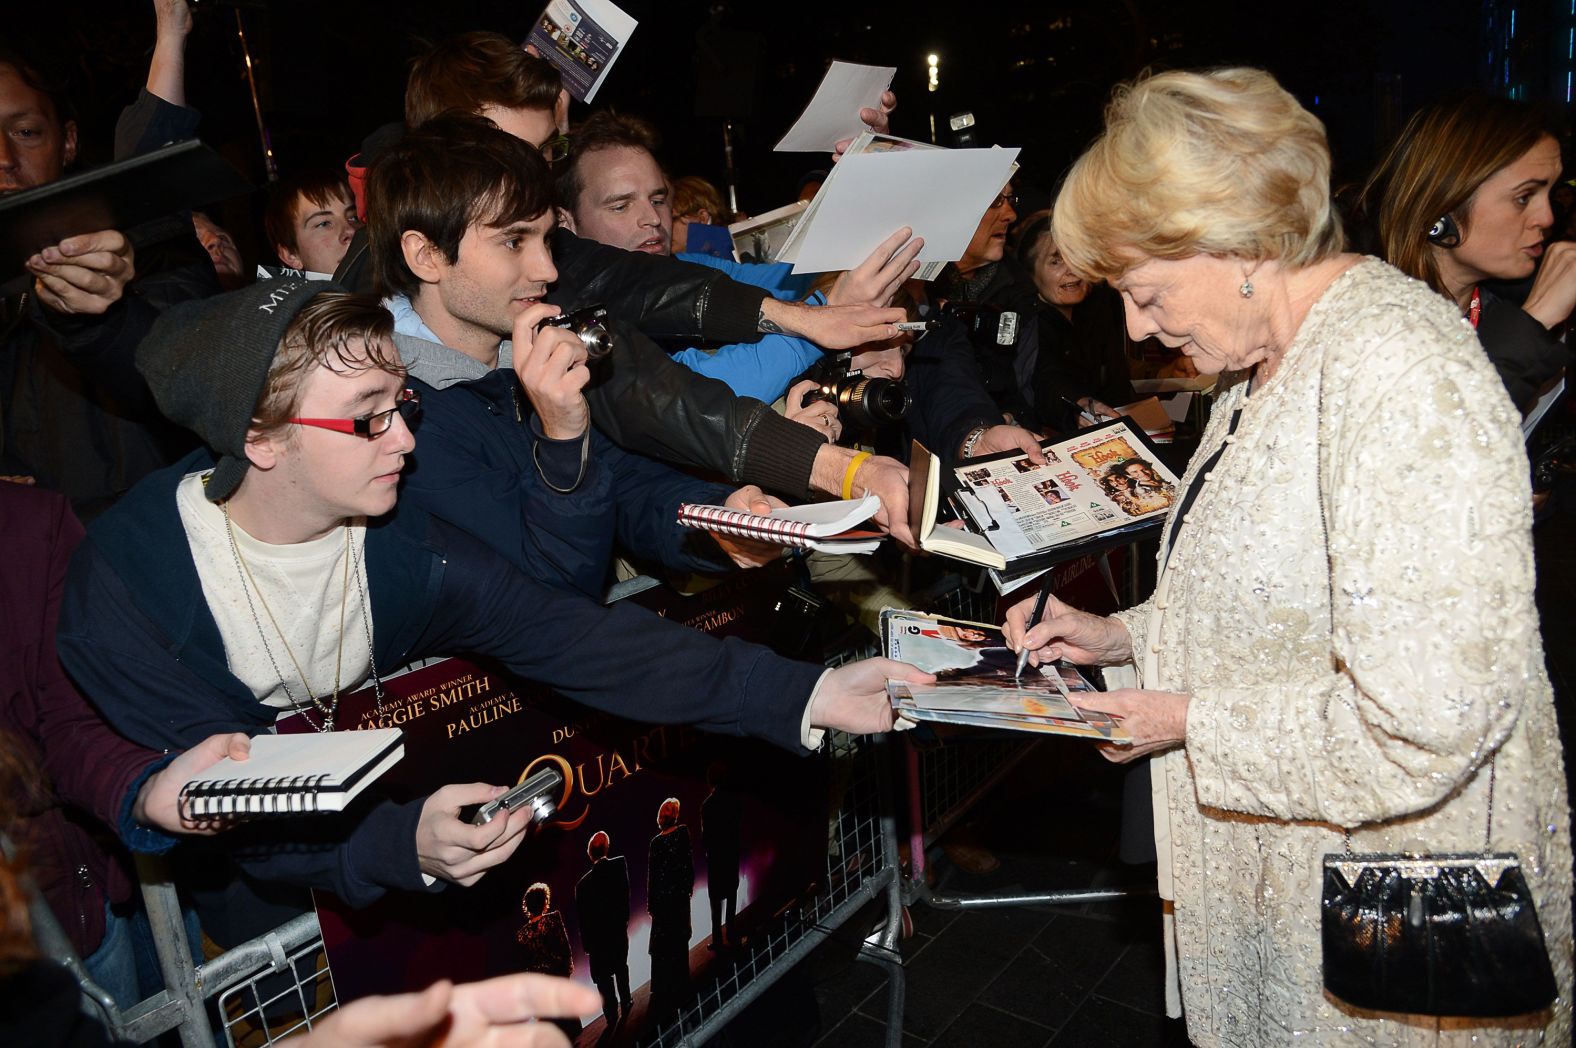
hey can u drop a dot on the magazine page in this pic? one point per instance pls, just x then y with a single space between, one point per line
582 39
975 669
1093 726
763 237
975 683
1098 481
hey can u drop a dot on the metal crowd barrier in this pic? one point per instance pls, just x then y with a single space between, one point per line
944 781
282 955
861 867
280 983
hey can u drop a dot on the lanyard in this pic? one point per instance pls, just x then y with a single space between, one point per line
1475 310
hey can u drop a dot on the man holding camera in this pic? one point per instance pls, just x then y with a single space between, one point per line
508 451
647 402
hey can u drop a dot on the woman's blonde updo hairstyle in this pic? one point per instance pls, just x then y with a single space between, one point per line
1223 163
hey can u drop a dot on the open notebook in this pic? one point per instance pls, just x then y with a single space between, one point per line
291 774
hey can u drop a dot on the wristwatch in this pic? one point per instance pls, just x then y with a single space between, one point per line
967 448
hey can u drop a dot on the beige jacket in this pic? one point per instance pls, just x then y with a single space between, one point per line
1382 724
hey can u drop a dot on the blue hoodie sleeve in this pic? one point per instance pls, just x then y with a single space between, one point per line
776 278
763 370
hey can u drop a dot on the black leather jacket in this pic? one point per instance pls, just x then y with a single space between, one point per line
641 399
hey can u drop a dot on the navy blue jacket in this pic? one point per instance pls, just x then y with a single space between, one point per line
479 462
948 396
137 635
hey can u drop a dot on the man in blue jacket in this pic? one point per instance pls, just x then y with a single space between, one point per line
271 575
461 214
612 190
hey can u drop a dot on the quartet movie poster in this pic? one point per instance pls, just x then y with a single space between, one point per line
669 850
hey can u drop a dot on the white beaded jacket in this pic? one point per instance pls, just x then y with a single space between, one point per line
1377 711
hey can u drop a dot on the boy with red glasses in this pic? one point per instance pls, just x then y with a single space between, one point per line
269 576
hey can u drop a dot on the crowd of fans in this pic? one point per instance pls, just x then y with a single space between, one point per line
378 443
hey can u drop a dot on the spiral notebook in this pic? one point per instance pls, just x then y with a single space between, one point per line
295 774
831 527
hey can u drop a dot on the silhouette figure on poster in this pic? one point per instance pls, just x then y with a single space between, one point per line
602 902
721 829
670 882
545 942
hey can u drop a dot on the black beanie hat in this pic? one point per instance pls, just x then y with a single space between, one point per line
207 361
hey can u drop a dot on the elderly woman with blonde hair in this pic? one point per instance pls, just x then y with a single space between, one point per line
1342 650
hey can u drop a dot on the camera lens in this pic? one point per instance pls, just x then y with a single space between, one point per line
868 403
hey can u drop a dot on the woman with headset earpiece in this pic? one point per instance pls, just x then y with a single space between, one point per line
1462 202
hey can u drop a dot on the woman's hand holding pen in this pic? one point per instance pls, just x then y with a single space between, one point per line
1067 633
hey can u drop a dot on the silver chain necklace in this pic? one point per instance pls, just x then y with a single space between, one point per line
326 710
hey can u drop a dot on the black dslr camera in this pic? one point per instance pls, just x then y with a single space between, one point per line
986 324
590 325
863 403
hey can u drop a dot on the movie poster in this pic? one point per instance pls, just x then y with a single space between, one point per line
670 848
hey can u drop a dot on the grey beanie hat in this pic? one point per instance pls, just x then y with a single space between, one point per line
206 362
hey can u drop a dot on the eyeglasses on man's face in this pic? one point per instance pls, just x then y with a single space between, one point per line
556 148
373 426
1004 198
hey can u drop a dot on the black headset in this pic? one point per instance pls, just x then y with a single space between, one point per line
1444 232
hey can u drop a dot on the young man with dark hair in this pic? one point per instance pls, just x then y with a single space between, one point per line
310 219
650 404
270 576
491 76
461 216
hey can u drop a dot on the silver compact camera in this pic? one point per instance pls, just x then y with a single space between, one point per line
537 793
590 325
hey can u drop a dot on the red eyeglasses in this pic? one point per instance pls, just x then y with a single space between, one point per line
370 426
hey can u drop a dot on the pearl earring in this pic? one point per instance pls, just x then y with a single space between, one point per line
1246 290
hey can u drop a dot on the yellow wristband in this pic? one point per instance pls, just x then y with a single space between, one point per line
848 474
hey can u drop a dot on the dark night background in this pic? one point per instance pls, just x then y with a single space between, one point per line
1035 74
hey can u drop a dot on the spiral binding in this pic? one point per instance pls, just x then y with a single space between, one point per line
746 525
284 795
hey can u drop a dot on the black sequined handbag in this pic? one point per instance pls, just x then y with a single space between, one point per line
1446 935
1433 935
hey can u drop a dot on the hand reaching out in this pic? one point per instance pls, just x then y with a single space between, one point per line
456 851
878 120
749 553
875 280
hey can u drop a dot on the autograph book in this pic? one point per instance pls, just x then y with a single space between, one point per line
295 774
975 685
1101 488
831 527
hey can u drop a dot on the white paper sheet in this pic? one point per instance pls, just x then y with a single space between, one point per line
940 193
833 114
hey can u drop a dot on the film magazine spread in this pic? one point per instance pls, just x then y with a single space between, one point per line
1097 489
975 682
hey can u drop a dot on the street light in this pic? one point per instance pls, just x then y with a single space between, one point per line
933 61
